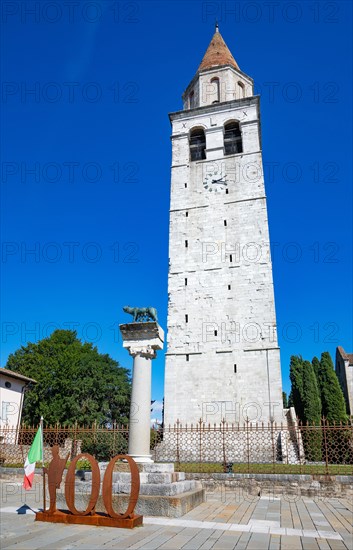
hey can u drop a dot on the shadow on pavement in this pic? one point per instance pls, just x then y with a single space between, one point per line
24 509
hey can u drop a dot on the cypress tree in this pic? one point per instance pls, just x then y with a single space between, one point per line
296 378
311 395
316 366
312 436
285 400
332 399
337 441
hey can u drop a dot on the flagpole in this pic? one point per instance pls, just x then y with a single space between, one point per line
43 471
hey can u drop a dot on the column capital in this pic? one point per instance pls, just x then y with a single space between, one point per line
142 339
144 351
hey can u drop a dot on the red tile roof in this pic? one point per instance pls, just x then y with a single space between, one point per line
217 54
13 374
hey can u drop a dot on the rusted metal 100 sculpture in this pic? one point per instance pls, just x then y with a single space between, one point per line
90 516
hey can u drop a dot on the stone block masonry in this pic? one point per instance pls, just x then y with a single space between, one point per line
223 358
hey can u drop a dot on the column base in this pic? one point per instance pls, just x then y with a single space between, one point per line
142 458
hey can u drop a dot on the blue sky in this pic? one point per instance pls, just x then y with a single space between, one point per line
86 161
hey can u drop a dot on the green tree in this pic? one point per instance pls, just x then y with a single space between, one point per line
316 366
305 394
75 383
104 445
312 437
311 395
332 399
338 441
285 400
296 378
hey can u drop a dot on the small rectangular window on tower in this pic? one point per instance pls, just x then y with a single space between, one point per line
225 223
235 369
227 191
229 287
186 244
230 258
186 214
187 357
215 333
186 318
186 282
185 184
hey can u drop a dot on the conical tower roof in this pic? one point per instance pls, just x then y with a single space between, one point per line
217 54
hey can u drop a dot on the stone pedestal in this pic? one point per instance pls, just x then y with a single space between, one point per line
163 492
142 340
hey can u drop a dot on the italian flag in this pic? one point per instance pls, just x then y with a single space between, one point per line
35 454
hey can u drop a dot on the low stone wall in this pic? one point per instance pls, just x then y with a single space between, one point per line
290 486
248 486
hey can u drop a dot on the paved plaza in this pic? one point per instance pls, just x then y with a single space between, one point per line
222 522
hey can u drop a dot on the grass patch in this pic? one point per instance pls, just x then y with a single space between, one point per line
331 469
203 467
21 465
81 465
253 468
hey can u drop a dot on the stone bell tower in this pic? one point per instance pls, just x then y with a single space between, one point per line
223 358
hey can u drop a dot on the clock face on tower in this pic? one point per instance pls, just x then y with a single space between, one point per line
215 179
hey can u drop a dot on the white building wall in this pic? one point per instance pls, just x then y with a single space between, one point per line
233 84
11 399
344 372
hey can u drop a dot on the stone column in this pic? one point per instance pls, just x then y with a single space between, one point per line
142 340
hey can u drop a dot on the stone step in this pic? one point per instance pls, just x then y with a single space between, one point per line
146 467
159 489
156 467
145 477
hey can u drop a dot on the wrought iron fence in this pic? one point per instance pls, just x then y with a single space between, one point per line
259 448
101 442
233 448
